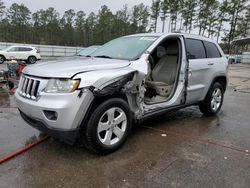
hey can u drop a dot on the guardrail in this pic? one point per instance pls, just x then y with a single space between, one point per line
47 50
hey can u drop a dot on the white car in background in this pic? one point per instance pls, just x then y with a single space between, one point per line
24 53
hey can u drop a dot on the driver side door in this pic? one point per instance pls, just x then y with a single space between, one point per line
178 97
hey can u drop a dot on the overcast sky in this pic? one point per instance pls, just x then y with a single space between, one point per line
86 5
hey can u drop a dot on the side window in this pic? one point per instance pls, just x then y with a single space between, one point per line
20 49
212 50
195 49
13 49
23 49
28 49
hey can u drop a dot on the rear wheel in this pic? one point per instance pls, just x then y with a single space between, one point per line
213 101
32 59
108 127
2 59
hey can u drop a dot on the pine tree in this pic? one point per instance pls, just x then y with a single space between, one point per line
2 8
236 8
188 14
165 5
222 17
155 13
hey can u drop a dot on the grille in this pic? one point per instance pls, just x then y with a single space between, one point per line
29 87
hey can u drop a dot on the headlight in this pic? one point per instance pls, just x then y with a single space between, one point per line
62 86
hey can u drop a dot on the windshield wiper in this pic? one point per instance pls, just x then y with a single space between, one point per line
103 56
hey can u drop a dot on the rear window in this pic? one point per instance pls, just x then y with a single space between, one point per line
195 49
212 50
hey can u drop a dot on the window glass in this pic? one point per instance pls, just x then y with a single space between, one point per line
87 51
13 49
23 49
195 49
212 50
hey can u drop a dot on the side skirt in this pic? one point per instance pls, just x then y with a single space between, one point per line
164 110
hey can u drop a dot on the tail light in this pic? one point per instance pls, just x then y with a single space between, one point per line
37 51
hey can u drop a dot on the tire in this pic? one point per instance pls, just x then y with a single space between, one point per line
213 101
32 59
102 134
2 59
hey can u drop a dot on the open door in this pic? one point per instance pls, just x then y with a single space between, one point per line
166 84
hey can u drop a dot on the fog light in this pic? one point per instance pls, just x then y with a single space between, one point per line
50 115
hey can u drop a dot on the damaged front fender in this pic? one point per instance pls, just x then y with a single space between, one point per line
119 85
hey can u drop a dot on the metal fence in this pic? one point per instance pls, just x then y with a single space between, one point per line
47 50
245 58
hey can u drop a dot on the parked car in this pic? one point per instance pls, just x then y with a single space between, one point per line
87 51
127 80
233 58
23 53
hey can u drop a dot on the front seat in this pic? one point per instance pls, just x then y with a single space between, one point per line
164 73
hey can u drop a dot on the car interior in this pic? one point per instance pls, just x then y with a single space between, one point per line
164 62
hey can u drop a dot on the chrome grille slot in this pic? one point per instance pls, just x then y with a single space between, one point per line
28 87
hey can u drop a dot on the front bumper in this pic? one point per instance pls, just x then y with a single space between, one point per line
68 136
70 109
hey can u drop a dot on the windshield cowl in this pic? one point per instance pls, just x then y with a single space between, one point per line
103 56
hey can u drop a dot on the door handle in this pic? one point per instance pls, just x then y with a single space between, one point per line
210 63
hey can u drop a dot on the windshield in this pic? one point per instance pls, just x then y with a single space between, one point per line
4 49
87 51
127 48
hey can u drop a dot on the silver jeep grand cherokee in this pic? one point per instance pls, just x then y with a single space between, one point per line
96 99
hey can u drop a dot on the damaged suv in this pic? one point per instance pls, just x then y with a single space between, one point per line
129 79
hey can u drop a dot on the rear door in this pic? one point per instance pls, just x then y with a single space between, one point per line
214 57
200 70
23 53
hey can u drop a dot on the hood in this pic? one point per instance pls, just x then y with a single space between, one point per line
66 68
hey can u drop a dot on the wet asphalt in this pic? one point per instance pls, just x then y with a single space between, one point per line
177 149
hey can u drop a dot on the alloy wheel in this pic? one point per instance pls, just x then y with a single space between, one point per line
112 126
32 60
216 99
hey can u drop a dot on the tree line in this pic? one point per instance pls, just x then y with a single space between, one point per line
224 19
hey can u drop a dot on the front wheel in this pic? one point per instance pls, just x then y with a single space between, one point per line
213 101
108 127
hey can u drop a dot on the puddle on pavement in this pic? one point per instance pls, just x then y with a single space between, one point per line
6 98
14 132
230 126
